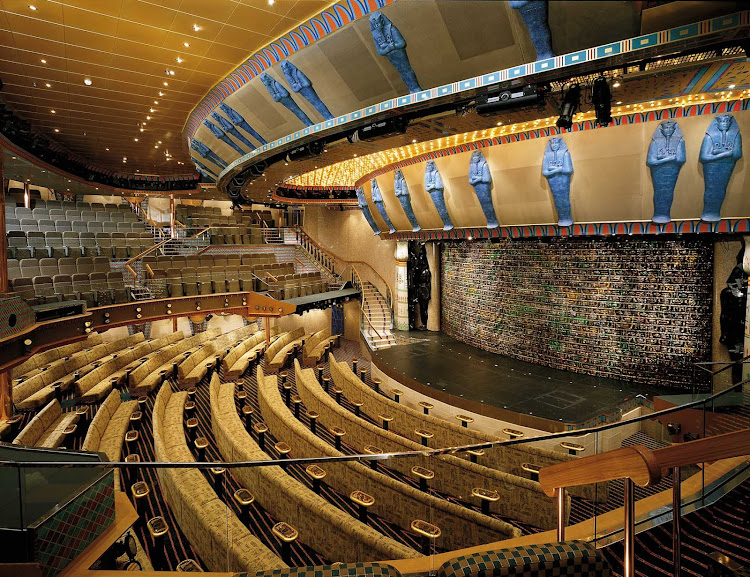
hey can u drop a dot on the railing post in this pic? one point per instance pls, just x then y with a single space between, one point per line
629 528
676 518
561 514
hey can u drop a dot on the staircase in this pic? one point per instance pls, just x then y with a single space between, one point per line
374 305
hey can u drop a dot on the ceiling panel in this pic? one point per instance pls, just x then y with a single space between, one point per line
126 47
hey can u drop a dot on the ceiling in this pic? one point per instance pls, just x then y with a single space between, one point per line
50 52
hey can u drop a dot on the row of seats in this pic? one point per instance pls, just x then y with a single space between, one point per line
42 361
48 428
32 267
202 516
235 235
291 286
395 500
78 225
115 245
152 263
69 214
32 392
66 204
98 289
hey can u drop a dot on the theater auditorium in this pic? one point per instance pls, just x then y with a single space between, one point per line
374 288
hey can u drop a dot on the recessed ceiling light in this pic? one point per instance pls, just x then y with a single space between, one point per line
186 44
141 129
48 85
166 84
156 102
44 171
107 149
57 130
148 118
179 60
616 84
159 141
32 7
619 102
731 86
13 157
151 110
135 139
88 81
161 93
196 28
44 61
52 111
156 146
270 2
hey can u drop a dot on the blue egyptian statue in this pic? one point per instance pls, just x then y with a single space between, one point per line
221 135
207 153
281 94
402 194
238 120
481 179
534 14
390 43
227 127
205 173
433 184
204 169
666 155
377 198
557 168
720 151
300 84
365 208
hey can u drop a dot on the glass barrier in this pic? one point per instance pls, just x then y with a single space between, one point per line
262 476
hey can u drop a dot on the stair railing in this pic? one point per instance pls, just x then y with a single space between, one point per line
638 465
129 263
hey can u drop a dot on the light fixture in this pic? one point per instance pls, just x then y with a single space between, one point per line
57 130
602 99
107 149
156 102
151 110
616 84
88 81
48 85
171 72
52 111
186 44
159 141
148 118
141 129
196 28
270 2
571 102
179 60
135 139
161 93
166 83
32 7
44 61
731 86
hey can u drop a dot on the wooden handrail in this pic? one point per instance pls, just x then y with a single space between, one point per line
140 256
641 465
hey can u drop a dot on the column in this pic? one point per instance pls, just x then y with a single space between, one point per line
746 267
26 195
401 306
433 258
172 229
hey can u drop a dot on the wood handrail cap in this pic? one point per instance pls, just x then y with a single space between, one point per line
424 434
358 403
283 448
423 473
513 433
312 415
201 443
530 467
465 418
337 431
136 416
385 418
189 405
296 399
247 410
572 446
131 436
476 452
338 390
191 423
397 391
425 529
426 405
260 427
372 450
133 458
217 471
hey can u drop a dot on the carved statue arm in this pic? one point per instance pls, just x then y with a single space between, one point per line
708 155
738 146
398 40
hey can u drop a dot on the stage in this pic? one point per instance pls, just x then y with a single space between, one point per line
439 366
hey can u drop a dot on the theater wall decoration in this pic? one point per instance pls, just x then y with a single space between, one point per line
633 309
613 179
339 64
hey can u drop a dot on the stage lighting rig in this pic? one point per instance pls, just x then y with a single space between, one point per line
571 104
602 99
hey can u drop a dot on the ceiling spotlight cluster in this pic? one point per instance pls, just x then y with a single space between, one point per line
598 94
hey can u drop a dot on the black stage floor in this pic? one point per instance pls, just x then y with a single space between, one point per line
493 385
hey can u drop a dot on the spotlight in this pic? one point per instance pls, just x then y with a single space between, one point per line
571 102
674 429
602 98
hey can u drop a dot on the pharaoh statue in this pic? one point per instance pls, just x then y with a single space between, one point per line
229 128
377 198
433 184
365 208
666 155
390 43
534 14
207 153
557 168
281 94
402 194
481 179
720 151
300 84
238 120
221 135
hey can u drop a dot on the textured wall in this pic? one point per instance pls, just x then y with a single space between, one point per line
637 310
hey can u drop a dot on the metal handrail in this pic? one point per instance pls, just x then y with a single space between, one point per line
365 316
